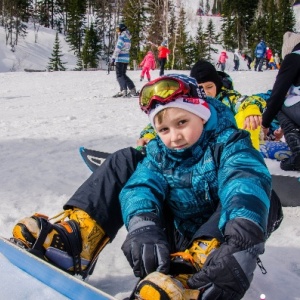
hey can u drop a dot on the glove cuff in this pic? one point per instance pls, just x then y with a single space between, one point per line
145 219
245 234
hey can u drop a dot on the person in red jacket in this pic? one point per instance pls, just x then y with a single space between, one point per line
163 53
269 54
147 64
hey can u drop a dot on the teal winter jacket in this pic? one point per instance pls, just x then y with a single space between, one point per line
222 167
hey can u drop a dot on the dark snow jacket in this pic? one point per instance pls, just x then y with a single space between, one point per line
287 85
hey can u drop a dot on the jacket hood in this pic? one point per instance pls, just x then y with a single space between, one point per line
290 40
126 33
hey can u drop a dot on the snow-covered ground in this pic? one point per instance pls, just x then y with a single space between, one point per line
46 117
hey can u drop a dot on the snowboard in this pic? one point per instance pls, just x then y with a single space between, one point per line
92 158
57 279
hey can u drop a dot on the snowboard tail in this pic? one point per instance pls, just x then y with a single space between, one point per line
92 158
53 277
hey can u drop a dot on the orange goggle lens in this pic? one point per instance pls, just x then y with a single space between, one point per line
161 90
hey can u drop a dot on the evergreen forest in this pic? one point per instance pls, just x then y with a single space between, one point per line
89 26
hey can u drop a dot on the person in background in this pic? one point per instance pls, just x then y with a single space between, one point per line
222 60
236 60
120 59
247 58
246 109
259 53
269 55
284 102
277 60
271 64
163 53
147 64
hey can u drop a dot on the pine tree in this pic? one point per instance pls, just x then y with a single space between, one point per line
76 16
211 38
79 64
200 45
238 16
55 63
134 18
91 49
273 19
155 22
181 62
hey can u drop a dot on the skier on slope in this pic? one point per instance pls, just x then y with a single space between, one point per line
120 58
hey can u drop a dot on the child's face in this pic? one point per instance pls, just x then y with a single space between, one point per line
210 88
179 129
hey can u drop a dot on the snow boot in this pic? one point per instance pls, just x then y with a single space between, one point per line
158 286
132 93
123 93
293 162
193 258
142 78
72 245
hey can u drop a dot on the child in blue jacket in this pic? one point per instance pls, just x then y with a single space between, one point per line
180 177
201 194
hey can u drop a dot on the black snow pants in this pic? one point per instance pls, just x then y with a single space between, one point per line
99 194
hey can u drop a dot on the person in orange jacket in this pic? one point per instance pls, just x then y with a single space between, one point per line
147 64
163 53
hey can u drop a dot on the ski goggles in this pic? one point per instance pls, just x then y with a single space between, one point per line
161 90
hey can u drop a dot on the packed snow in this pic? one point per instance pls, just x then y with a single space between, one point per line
46 117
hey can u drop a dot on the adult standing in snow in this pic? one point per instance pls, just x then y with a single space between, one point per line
285 100
147 64
248 59
163 52
259 53
222 60
277 60
121 59
236 60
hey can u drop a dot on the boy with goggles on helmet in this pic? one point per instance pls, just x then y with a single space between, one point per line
196 207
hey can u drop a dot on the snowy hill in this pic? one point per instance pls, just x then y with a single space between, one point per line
35 55
31 55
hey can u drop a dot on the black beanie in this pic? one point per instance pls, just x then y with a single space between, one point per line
122 27
204 71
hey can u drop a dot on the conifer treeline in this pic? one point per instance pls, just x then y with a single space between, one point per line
89 25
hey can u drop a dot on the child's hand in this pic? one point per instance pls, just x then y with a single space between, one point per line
278 133
142 142
252 122
146 247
